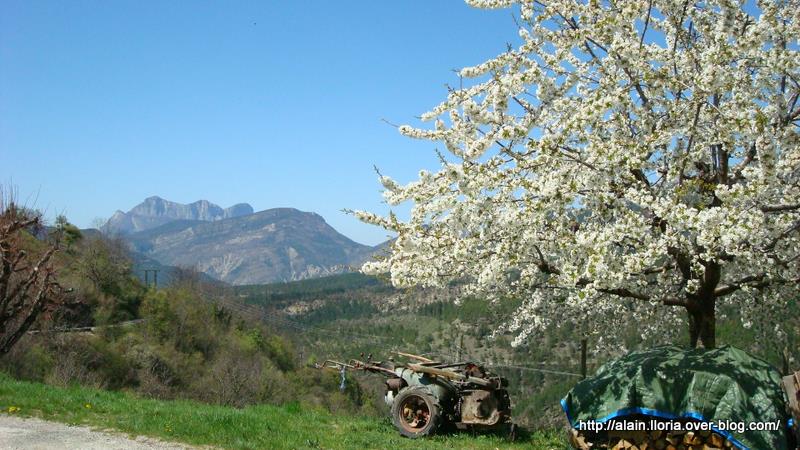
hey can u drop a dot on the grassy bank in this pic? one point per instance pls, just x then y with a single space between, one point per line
263 426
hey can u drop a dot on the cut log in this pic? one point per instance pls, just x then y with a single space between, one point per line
716 440
622 444
691 439
578 441
648 440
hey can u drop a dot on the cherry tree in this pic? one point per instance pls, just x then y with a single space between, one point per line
628 158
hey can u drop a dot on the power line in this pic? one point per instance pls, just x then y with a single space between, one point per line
535 369
509 365
278 319
281 319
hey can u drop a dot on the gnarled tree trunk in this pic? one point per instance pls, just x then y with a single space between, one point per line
701 307
702 326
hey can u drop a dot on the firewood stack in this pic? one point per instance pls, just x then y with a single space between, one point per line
648 440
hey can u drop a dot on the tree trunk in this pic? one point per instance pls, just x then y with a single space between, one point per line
702 325
701 307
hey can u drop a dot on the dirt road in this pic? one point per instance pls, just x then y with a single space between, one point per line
27 433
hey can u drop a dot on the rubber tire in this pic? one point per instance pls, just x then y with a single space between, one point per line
435 420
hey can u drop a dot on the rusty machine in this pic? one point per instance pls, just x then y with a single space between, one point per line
426 395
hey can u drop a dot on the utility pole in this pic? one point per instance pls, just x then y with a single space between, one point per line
147 277
583 359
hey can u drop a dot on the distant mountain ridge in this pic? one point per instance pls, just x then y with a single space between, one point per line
237 246
155 211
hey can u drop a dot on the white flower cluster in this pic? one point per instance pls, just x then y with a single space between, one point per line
626 156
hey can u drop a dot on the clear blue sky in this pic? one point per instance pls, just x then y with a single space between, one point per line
274 103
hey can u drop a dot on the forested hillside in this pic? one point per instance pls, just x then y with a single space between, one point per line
344 316
257 344
206 342
112 332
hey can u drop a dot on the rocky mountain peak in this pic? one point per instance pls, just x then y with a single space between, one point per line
155 211
235 244
279 244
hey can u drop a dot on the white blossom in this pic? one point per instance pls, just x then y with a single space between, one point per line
598 174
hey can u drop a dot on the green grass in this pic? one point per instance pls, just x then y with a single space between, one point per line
263 426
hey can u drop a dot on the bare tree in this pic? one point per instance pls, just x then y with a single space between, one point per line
28 285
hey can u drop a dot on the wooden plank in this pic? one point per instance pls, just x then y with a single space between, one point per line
449 374
412 356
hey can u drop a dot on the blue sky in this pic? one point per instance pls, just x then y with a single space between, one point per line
274 103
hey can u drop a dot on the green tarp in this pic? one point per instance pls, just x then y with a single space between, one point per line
723 386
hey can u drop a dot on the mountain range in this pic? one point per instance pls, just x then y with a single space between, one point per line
236 245
155 211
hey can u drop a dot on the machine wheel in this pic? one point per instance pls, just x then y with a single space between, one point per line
415 412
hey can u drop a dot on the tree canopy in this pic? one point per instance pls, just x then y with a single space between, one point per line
627 157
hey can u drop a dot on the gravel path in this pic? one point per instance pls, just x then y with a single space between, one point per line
28 433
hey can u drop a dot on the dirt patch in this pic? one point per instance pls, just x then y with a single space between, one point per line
29 433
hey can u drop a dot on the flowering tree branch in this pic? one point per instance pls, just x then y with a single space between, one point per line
643 150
